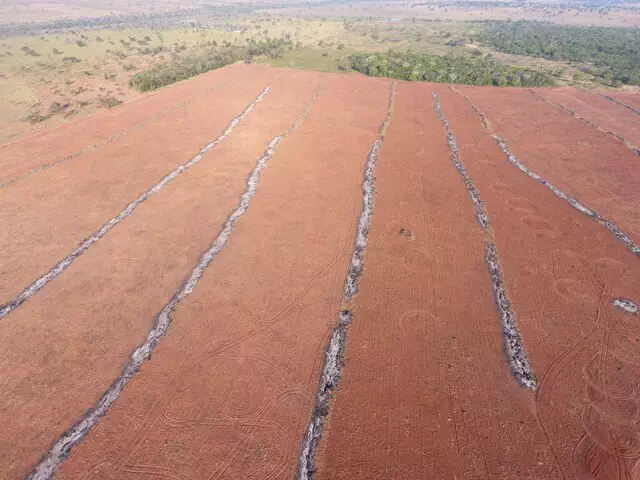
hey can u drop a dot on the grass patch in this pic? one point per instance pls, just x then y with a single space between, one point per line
307 59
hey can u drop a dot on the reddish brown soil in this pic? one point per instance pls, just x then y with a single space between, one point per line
604 113
83 194
86 323
425 383
21 156
426 390
563 269
587 164
628 98
230 389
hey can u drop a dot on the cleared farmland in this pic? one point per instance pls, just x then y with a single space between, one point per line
266 273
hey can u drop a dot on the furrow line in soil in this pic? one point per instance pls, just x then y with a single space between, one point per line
620 138
112 139
334 353
617 232
107 227
513 344
48 466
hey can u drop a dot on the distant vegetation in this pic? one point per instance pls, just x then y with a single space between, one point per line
464 69
183 17
186 67
614 53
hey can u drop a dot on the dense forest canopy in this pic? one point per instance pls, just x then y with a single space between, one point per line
614 52
464 69
217 56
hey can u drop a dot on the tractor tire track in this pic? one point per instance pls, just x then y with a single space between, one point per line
512 341
112 139
47 467
107 227
617 232
334 353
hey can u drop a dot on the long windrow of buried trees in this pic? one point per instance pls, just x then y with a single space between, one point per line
217 56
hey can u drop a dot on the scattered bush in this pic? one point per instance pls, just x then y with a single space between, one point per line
37 117
29 51
55 108
108 101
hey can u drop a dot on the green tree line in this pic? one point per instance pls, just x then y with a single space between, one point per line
216 57
464 69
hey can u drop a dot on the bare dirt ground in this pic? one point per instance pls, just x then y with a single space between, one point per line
604 110
260 315
631 99
564 271
94 187
425 382
258 276
585 162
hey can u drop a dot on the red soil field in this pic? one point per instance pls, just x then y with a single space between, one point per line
631 99
563 271
192 340
425 383
19 157
585 163
259 318
157 250
606 114
125 169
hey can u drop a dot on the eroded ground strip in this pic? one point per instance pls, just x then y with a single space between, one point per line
63 446
334 353
617 232
107 227
513 344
